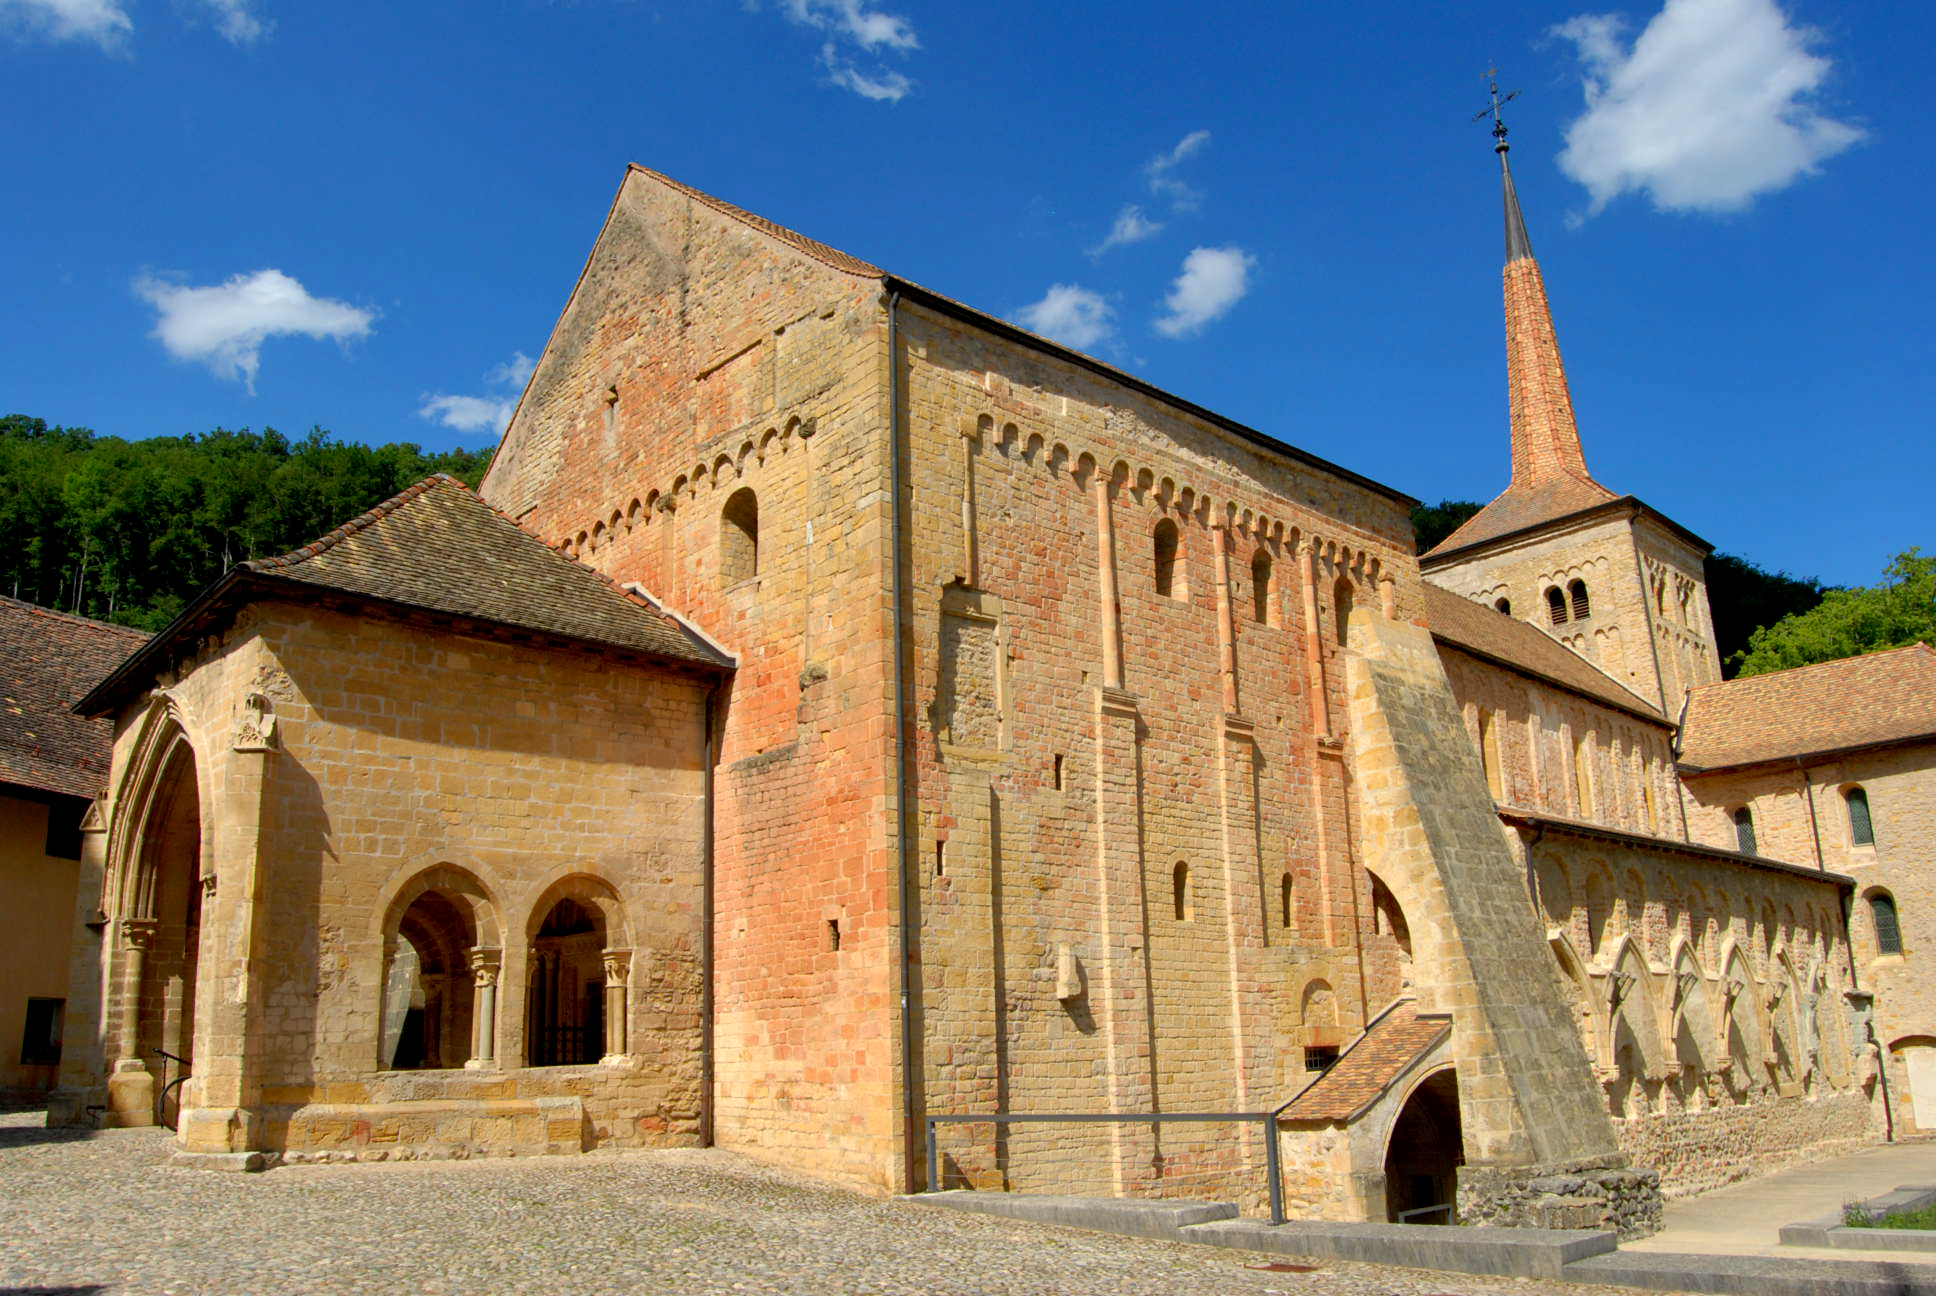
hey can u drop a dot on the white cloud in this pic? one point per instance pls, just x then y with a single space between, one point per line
1070 314
236 20
483 413
884 86
852 27
1705 112
105 22
868 28
1161 171
224 325
1213 280
1131 227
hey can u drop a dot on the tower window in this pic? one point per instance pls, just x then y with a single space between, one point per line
1861 828
1342 603
1556 605
1744 833
1287 897
1260 585
739 537
1582 609
1180 892
1888 929
1166 545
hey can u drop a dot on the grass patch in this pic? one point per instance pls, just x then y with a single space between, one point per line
1858 1215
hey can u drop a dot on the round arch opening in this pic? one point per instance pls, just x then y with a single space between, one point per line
1423 1157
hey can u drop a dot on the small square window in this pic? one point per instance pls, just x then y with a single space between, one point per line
1319 1057
64 816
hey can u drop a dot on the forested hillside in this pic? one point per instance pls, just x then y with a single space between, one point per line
130 531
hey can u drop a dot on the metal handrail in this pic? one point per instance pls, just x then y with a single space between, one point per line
1267 1120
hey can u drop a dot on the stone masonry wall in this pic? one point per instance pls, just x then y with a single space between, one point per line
1136 893
1797 811
700 357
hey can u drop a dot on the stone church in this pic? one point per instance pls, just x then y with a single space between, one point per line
839 708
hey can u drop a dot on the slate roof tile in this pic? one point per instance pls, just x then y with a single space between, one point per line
48 660
1862 701
1465 623
1369 1067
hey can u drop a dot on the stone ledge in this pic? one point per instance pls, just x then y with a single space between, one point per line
232 1162
1830 1231
1507 1252
1732 1275
1130 1216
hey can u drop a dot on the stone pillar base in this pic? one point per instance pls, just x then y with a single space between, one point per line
1603 1193
68 1108
131 1096
208 1130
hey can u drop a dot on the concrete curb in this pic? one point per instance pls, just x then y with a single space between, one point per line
1135 1217
1830 1231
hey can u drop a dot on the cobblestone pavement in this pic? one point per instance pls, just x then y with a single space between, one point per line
105 1213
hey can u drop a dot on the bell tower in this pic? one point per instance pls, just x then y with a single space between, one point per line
1617 582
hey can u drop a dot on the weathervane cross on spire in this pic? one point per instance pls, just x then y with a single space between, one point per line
1498 101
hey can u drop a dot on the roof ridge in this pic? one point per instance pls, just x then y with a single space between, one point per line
368 517
1808 666
36 609
825 253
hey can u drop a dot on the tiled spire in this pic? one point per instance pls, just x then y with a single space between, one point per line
1545 437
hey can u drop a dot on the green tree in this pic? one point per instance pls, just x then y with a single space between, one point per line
1849 622
1432 523
1744 597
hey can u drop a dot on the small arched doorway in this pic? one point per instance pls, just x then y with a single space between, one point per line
429 995
1427 1148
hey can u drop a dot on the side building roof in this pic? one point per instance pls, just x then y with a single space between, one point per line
1867 701
436 547
1472 627
48 660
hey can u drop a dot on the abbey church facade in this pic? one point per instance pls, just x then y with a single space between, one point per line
839 708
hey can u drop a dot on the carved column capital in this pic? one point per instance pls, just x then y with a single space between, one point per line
618 966
484 966
139 933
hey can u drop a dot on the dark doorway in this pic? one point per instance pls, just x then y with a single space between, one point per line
1423 1158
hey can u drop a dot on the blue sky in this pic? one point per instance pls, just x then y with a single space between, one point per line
257 213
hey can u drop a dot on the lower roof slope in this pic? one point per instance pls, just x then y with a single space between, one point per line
1475 628
47 660
1881 697
437 547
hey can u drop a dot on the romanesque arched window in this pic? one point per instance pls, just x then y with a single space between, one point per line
1861 829
1166 545
1556 604
565 1001
1582 608
1744 831
739 537
1260 587
1181 903
1342 599
1888 927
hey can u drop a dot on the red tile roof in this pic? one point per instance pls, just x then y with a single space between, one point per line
1880 697
1462 623
47 661
1378 1058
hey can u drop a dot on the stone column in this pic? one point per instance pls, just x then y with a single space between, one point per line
484 967
1122 962
1313 653
1226 631
1112 612
131 1087
618 967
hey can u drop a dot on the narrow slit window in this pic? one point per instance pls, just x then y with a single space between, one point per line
1287 898
941 859
1744 831
1556 605
1180 892
1260 588
833 934
1342 599
739 537
1888 928
1861 828
1166 543
1058 773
